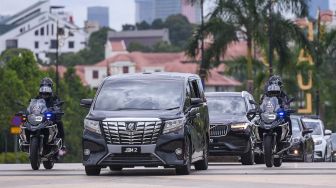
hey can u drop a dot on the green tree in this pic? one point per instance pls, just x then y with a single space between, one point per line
248 19
142 25
128 27
158 24
180 30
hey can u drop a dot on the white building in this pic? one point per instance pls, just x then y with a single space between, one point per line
35 28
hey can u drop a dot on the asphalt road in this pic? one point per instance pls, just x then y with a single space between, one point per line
230 175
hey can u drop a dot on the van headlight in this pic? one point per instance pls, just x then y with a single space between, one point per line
318 142
92 126
239 126
173 125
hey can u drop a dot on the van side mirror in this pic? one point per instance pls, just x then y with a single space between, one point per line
196 101
307 131
86 103
327 132
291 111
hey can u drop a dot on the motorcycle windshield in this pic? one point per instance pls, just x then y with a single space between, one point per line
37 106
269 107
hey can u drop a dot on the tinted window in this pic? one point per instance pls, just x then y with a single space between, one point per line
296 127
230 105
316 126
140 95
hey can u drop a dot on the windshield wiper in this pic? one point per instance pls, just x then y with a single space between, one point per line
174 108
134 109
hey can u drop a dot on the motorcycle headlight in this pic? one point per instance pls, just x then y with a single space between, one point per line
239 126
318 142
35 119
92 126
173 125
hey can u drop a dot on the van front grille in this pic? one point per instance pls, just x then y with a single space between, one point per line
131 132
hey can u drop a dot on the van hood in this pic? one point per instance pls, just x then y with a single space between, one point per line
227 119
162 114
317 137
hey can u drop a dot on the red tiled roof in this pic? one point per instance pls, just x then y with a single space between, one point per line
81 74
172 62
326 16
118 46
61 69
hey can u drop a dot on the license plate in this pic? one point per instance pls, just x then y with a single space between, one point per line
130 150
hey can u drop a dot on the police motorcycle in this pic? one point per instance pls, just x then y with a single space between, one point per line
272 129
38 135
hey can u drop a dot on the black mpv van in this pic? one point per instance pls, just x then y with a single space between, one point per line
147 119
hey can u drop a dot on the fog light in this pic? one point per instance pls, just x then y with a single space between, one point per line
178 151
86 152
296 152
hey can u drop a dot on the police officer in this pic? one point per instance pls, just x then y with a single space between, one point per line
52 102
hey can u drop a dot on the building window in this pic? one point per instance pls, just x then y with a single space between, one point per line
53 44
36 44
11 43
52 29
42 31
47 30
36 33
95 74
71 34
125 69
71 44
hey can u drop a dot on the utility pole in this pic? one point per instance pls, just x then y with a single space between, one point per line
202 71
270 30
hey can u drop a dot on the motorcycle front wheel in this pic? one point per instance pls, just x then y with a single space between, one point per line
34 153
268 151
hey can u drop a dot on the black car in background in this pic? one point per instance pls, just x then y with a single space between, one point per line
303 149
149 119
231 133
333 146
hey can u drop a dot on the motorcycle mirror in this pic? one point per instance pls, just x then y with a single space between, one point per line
20 103
291 100
251 114
252 102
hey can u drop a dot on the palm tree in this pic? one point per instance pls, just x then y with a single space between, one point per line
249 19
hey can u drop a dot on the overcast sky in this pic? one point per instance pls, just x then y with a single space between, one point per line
121 11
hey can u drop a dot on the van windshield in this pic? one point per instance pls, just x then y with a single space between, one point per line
118 95
316 126
226 105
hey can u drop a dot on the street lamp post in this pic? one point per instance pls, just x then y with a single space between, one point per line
270 30
202 69
57 60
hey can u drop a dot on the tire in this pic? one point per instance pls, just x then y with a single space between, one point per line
34 153
48 164
325 156
248 157
259 159
203 164
278 162
268 151
115 168
185 169
92 170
